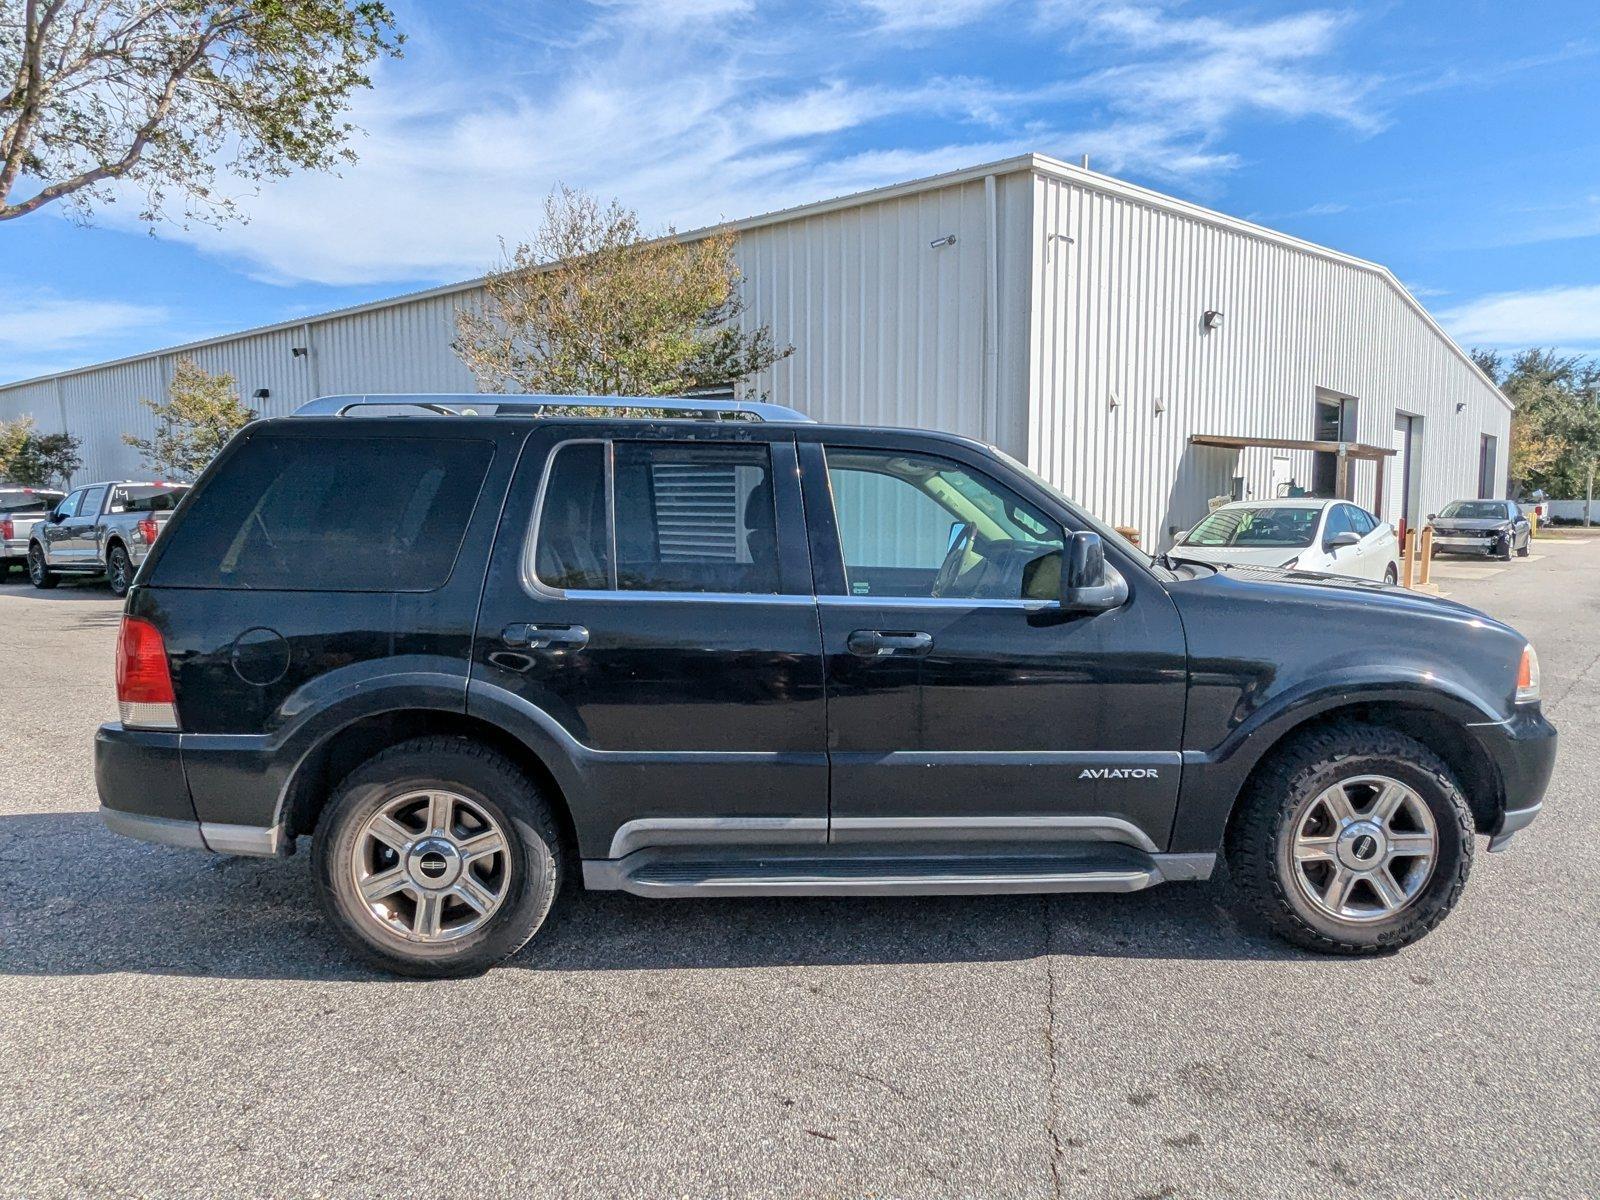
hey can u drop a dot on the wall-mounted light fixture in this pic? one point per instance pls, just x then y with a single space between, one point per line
1212 319
1461 406
261 393
948 239
299 351
1116 402
1161 404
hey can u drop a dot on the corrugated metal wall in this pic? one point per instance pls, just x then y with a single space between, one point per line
1118 315
1012 333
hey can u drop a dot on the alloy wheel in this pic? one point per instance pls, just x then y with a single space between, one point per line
1364 848
118 573
431 866
35 565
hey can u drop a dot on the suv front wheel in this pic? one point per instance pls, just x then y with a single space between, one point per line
437 857
1353 839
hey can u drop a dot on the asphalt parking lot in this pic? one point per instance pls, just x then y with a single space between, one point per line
178 1024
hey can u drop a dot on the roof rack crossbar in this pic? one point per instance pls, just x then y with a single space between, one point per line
464 404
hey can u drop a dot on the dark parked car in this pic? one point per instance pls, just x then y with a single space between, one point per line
717 650
1490 527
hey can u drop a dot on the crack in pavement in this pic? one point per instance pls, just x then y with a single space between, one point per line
1051 1094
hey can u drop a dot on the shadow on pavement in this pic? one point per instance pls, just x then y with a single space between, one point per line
82 901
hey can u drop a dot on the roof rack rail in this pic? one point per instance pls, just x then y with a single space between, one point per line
466 404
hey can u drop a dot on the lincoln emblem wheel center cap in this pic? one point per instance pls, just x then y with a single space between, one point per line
433 863
1362 845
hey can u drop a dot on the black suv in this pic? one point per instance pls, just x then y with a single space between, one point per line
694 649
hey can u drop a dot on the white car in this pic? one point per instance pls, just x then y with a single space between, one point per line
1333 537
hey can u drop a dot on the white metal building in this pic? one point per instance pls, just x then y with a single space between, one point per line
1089 327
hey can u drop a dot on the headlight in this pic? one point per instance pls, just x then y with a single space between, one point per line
1528 677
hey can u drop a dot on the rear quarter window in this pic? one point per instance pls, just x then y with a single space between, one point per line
328 514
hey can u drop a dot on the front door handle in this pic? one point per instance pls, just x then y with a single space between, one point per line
886 643
545 637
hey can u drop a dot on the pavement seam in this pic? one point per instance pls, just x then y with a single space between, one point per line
1051 1094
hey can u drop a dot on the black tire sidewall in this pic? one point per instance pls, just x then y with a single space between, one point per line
111 574
1438 894
533 864
45 579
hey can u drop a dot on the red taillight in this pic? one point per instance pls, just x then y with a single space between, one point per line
144 685
148 530
8 529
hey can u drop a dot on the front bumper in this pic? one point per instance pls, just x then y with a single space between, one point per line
1470 545
144 794
1523 750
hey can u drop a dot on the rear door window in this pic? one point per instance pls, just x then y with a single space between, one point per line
665 517
1361 520
329 514
91 502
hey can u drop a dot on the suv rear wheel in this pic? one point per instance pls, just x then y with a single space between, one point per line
1353 839
437 857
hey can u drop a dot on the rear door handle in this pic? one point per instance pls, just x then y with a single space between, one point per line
886 643
545 637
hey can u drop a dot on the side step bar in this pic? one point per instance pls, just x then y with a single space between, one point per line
698 871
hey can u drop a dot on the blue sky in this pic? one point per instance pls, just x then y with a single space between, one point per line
1456 141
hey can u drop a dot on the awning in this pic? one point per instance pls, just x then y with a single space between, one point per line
1350 449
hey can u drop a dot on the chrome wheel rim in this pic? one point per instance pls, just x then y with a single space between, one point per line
119 571
1364 848
431 866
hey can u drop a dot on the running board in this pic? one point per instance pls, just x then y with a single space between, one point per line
697 871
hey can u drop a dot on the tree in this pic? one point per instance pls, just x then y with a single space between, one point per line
13 436
594 307
1555 419
159 94
45 460
201 412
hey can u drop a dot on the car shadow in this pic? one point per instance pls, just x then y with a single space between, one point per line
68 590
83 901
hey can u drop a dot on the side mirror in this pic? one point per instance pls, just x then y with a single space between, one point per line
1340 540
1433 516
57 516
1181 538
1088 583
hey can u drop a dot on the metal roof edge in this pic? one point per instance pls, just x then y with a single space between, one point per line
1045 165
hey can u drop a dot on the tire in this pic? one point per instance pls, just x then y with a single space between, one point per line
1285 798
392 931
119 570
39 573
1527 544
5 570
1391 575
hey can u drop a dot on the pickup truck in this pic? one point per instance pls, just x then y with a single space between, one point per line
21 508
103 529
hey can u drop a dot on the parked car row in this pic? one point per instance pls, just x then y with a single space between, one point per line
103 529
1336 537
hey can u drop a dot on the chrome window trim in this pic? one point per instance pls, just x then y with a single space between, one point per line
837 601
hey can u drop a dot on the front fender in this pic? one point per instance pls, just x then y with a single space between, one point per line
1212 778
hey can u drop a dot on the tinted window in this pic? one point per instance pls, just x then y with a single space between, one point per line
329 514
688 519
92 500
1269 525
146 499
912 525
1361 520
69 506
1338 522
695 518
1476 510
574 541
23 502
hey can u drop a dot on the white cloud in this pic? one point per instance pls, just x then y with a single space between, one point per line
706 110
898 16
1567 317
40 332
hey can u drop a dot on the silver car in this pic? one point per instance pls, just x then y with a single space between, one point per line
21 508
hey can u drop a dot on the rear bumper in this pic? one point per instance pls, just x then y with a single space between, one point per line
1523 750
144 794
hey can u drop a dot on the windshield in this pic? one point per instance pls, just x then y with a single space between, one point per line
1476 510
1107 534
1274 526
